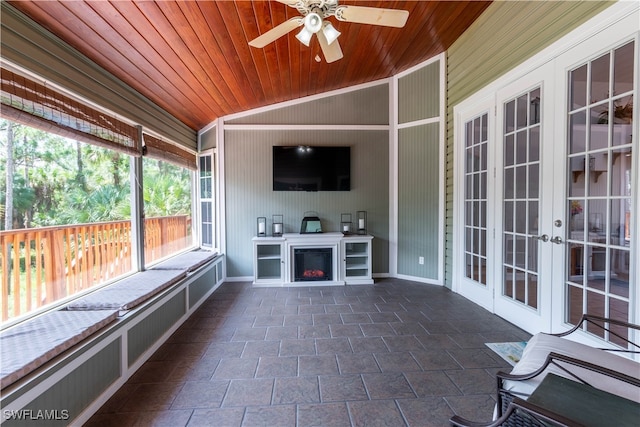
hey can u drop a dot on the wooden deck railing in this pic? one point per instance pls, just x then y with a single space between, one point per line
39 266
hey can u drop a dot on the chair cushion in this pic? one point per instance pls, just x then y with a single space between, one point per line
539 347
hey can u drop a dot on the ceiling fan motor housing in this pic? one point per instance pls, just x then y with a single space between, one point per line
324 8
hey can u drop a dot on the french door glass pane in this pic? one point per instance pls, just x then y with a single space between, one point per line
476 136
521 192
600 186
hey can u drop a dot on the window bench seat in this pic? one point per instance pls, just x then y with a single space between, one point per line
127 320
138 288
31 344
129 292
189 261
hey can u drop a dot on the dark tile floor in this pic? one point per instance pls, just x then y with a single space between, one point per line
391 354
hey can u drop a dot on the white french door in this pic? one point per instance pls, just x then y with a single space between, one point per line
599 199
547 187
524 170
508 172
476 163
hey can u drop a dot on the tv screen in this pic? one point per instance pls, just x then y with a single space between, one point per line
311 168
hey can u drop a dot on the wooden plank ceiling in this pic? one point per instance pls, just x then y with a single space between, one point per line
192 57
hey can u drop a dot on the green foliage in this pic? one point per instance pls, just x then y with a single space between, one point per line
59 181
167 189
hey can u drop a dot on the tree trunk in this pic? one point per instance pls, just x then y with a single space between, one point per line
80 178
8 204
115 161
28 215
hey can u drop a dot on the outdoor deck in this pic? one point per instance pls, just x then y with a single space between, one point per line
50 263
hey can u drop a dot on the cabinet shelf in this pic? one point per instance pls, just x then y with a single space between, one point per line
270 278
268 257
357 255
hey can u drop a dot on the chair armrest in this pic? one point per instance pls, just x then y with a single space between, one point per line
561 364
522 410
604 324
555 358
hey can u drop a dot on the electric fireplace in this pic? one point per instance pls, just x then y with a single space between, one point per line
312 264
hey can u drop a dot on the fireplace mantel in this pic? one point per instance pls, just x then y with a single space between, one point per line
313 238
274 259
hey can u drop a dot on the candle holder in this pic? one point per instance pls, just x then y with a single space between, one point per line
361 217
277 226
345 223
262 226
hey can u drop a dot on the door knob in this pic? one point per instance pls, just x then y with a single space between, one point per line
557 240
544 238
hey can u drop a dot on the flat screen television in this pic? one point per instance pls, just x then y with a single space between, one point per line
311 168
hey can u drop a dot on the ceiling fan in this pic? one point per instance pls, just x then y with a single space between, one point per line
313 22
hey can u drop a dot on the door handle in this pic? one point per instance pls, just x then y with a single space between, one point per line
557 240
543 238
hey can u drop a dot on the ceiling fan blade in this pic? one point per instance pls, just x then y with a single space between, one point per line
277 32
372 15
331 52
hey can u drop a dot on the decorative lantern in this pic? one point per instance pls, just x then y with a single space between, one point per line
345 223
277 226
262 226
362 222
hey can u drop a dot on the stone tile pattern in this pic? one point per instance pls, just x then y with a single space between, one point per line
396 353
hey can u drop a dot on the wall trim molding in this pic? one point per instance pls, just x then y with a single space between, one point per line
278 127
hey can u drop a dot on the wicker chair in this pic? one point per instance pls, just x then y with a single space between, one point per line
514 410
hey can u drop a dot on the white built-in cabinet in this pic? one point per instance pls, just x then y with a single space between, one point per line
268 260
356 259
273 259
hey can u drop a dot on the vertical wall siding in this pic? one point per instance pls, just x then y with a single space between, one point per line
415 103
366 106
419 179
249 191
505 35
76 390
146 333
418 194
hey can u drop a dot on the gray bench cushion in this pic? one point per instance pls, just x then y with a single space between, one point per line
31 344
129 292
189 261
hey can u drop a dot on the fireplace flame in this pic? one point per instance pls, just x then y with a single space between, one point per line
313 273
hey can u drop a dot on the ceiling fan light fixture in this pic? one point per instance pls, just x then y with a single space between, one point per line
304 36
330 32
313 22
